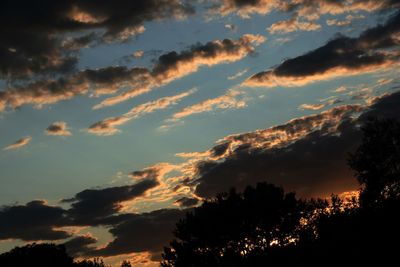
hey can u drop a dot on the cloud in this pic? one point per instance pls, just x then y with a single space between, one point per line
187 202
310 10
340 89
96 206
148 173
341 23
108 126
77 43
80 245
292 25
311 106
34 221
99 81
142 232
32 46
138 54
173 65
238 74
58 128
227 101
18 144
342 56
108 80
231 27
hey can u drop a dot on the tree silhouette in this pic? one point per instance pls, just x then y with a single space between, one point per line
37 255
377 161
230 229
96 262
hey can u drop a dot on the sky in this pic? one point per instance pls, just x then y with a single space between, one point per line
117 117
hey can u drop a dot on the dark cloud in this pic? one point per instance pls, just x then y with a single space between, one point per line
187 202
340 56
169 67
99 81
58 128
32 33
142 232
34 221
313 165
80 245
77 43
149 173
97 206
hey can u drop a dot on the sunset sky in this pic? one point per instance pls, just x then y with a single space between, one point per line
117 116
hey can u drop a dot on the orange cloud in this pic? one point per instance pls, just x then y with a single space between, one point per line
108 126
310 10
271 79
173 66
230 100
311 106
292 25
18 144
347 21
99 81
238 74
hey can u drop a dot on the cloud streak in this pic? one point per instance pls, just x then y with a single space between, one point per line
230 100
342 56
311 106
310 10
99 81
108 126
173 65
19 143
292 25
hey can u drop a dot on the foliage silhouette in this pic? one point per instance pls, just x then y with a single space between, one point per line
230 229
126 264
36 255
96 262
46 255
377 161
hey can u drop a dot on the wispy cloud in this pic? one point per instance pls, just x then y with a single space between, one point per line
19 143
233 99
238 74
108 126
311 106
292 25
346 22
